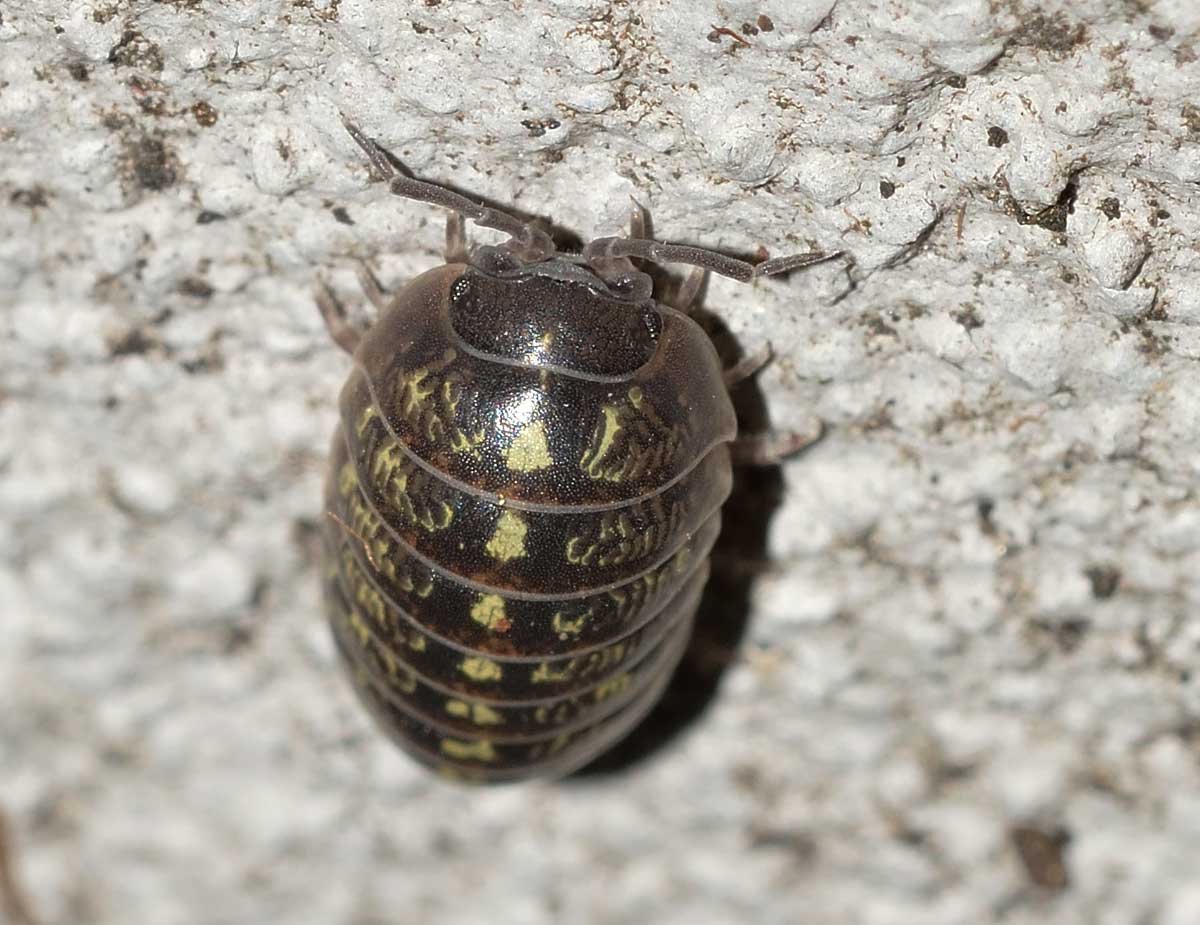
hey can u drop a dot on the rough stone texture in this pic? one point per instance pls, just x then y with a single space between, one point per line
967 690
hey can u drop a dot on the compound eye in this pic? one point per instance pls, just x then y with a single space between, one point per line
652 322
496 261
636 287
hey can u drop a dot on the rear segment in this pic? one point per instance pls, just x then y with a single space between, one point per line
520 518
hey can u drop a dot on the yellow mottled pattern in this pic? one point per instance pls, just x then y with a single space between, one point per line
489 610
366 529
414 392
364 418
366 597
347 479
555 745
630 438
565 627
363 592
389 661
402 679
360 628
632 597
466 443
557 714
580 667
612 687
529 451
408 577
365 526
428 398
479 713
463 751
545 673
478 668
592 461
391 472
579 552
508 540
612 538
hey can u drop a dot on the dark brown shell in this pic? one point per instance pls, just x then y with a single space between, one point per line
524 489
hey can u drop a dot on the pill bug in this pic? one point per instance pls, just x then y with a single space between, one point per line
523 490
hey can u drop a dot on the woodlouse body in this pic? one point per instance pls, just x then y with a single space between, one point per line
524 489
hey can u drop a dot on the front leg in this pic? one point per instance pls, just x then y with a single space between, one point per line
770 448
344 332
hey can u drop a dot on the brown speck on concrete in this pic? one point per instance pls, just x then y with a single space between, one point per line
204 113
1041 853
134 50
1104 580
150 163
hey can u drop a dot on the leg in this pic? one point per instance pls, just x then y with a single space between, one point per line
374 292
456 238
604 249
344 332
770 449
527 242
747 366
686 297
637 221
612 268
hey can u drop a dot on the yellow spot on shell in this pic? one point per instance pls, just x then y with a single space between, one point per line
528 451
478 668
485 715
489 610
508 541
479 713
480 751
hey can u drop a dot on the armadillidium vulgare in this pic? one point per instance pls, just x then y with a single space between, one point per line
523 491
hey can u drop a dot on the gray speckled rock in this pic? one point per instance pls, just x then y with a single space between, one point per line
968 689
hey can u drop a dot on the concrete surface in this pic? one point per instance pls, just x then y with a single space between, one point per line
967 690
